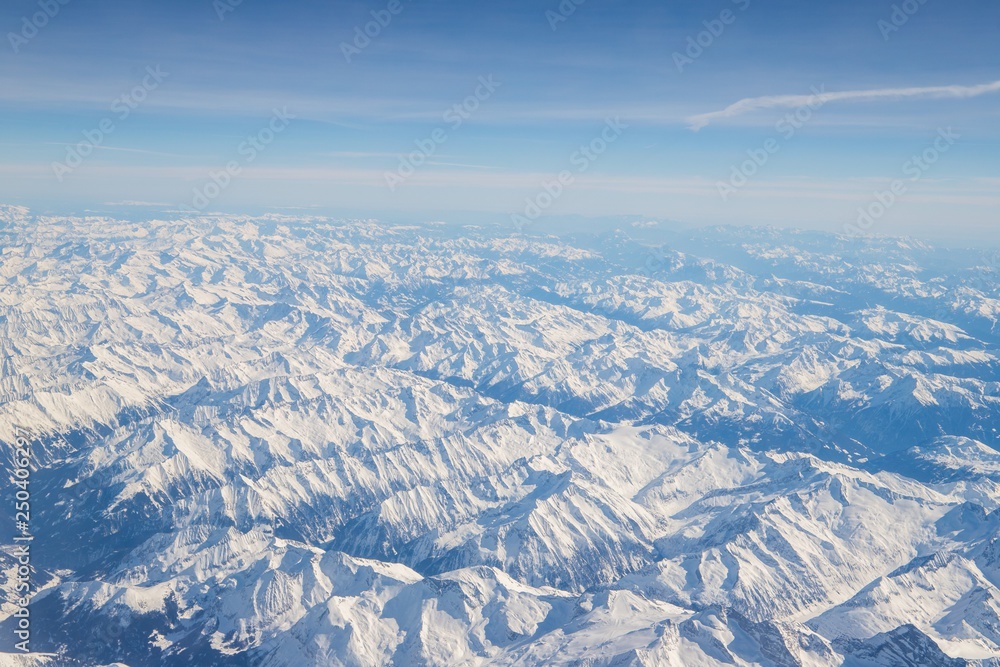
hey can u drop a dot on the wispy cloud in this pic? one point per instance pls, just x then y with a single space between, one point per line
360 154
135 203
117 149
750 104
460 164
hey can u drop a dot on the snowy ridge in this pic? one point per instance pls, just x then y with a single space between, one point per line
301 442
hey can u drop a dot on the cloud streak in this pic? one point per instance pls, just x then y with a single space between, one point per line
751 104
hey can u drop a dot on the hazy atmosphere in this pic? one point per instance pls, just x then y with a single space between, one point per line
831 103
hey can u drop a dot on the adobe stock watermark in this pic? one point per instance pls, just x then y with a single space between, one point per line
223 7
122 107
581 159
248 150
21 551
363 35
786 128
658 259
32 25
900 16
913 169
455 117
565 9
701 42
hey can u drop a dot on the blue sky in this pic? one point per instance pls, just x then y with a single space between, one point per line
553 91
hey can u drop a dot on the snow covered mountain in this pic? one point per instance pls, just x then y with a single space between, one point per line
295 441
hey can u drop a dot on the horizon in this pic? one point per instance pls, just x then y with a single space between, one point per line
865 116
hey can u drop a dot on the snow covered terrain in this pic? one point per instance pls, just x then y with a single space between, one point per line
289 442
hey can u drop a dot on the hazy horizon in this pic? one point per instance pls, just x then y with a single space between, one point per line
454 110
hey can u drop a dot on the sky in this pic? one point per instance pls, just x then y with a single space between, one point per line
871 115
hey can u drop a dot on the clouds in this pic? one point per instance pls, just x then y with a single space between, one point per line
750 104
609 59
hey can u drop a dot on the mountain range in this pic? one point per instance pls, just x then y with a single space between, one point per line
299 441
